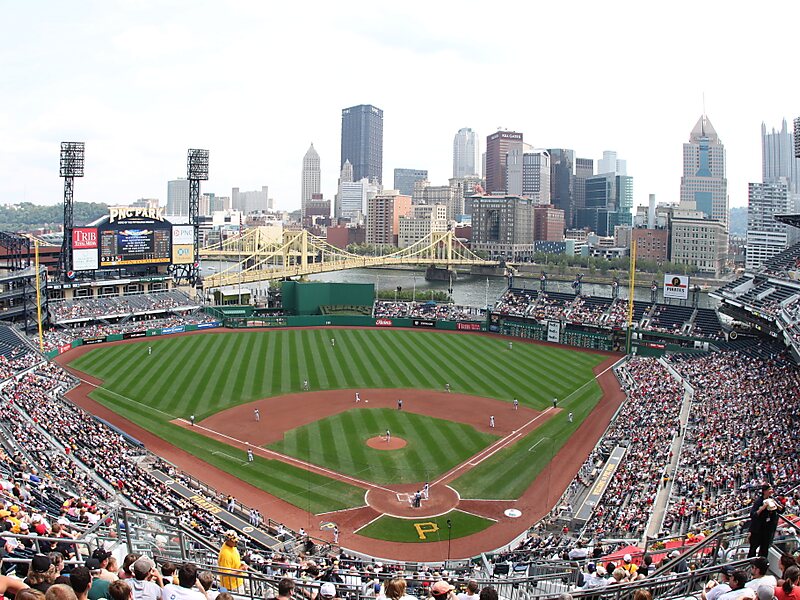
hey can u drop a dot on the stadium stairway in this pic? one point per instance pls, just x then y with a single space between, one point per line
229 520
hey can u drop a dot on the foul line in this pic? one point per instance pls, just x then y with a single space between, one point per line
368 523
491 450
131 400
508 440
536 444
341 510
289 459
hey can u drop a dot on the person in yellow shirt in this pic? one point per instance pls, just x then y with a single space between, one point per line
229 560
629 566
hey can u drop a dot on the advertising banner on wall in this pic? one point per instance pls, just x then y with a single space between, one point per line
182 234
676 286
553 331
182 254
84 249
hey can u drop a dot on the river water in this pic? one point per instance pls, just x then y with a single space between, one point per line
468 290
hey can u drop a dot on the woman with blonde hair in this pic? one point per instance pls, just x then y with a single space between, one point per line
395 589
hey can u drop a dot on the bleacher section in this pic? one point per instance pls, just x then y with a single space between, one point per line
120 307
669 318
782 264
706 324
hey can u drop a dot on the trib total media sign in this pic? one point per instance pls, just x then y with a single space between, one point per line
84 248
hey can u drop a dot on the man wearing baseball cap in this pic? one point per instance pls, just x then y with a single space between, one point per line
327 591
229 561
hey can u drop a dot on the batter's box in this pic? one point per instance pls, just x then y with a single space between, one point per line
402 497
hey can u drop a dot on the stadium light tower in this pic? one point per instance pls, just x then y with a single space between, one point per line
196 171
71 166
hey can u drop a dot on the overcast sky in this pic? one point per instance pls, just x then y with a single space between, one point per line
256 82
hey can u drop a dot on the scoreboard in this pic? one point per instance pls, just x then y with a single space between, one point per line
134 237
134 245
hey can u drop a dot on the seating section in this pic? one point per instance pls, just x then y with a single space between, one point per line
115 307
706 324
427 310
668 318
60 336
781 264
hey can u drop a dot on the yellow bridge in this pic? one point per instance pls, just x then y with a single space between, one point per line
258 256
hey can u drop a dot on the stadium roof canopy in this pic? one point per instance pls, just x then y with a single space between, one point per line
793 220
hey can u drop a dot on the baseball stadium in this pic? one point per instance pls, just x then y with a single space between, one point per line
538 444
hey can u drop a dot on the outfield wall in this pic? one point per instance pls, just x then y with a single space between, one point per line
131 335
567 334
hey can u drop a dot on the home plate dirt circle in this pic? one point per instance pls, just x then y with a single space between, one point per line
379 443
395 502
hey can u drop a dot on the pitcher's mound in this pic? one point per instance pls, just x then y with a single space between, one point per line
379 443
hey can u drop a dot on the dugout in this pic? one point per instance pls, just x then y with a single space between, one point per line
309 297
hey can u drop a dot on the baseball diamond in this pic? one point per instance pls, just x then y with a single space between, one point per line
310 448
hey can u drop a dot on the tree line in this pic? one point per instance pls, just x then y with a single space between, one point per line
27 215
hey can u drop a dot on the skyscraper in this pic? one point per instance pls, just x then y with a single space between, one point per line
611 164
466 150
766 237
536 175
178 198
362 142
404 179
498 146
704 182
311 178
562 171
777 157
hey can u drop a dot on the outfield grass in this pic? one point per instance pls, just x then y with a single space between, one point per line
434 446
509 472
426 529
207 373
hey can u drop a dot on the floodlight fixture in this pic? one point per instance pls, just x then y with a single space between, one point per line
71 159
197 165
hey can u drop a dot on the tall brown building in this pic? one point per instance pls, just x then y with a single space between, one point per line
383 217
651 244
497 147
548 223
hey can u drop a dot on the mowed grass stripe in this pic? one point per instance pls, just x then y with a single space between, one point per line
393 370
360 356
334 368
424 374
500 376
438 445
322 372
195 388
466 372
342 354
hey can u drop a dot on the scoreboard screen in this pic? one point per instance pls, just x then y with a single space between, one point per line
135 244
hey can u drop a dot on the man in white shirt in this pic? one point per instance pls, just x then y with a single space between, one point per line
759 569
146 582
188 587
738 589
723 587
471 593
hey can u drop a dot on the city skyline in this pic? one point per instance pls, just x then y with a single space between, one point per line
148 81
